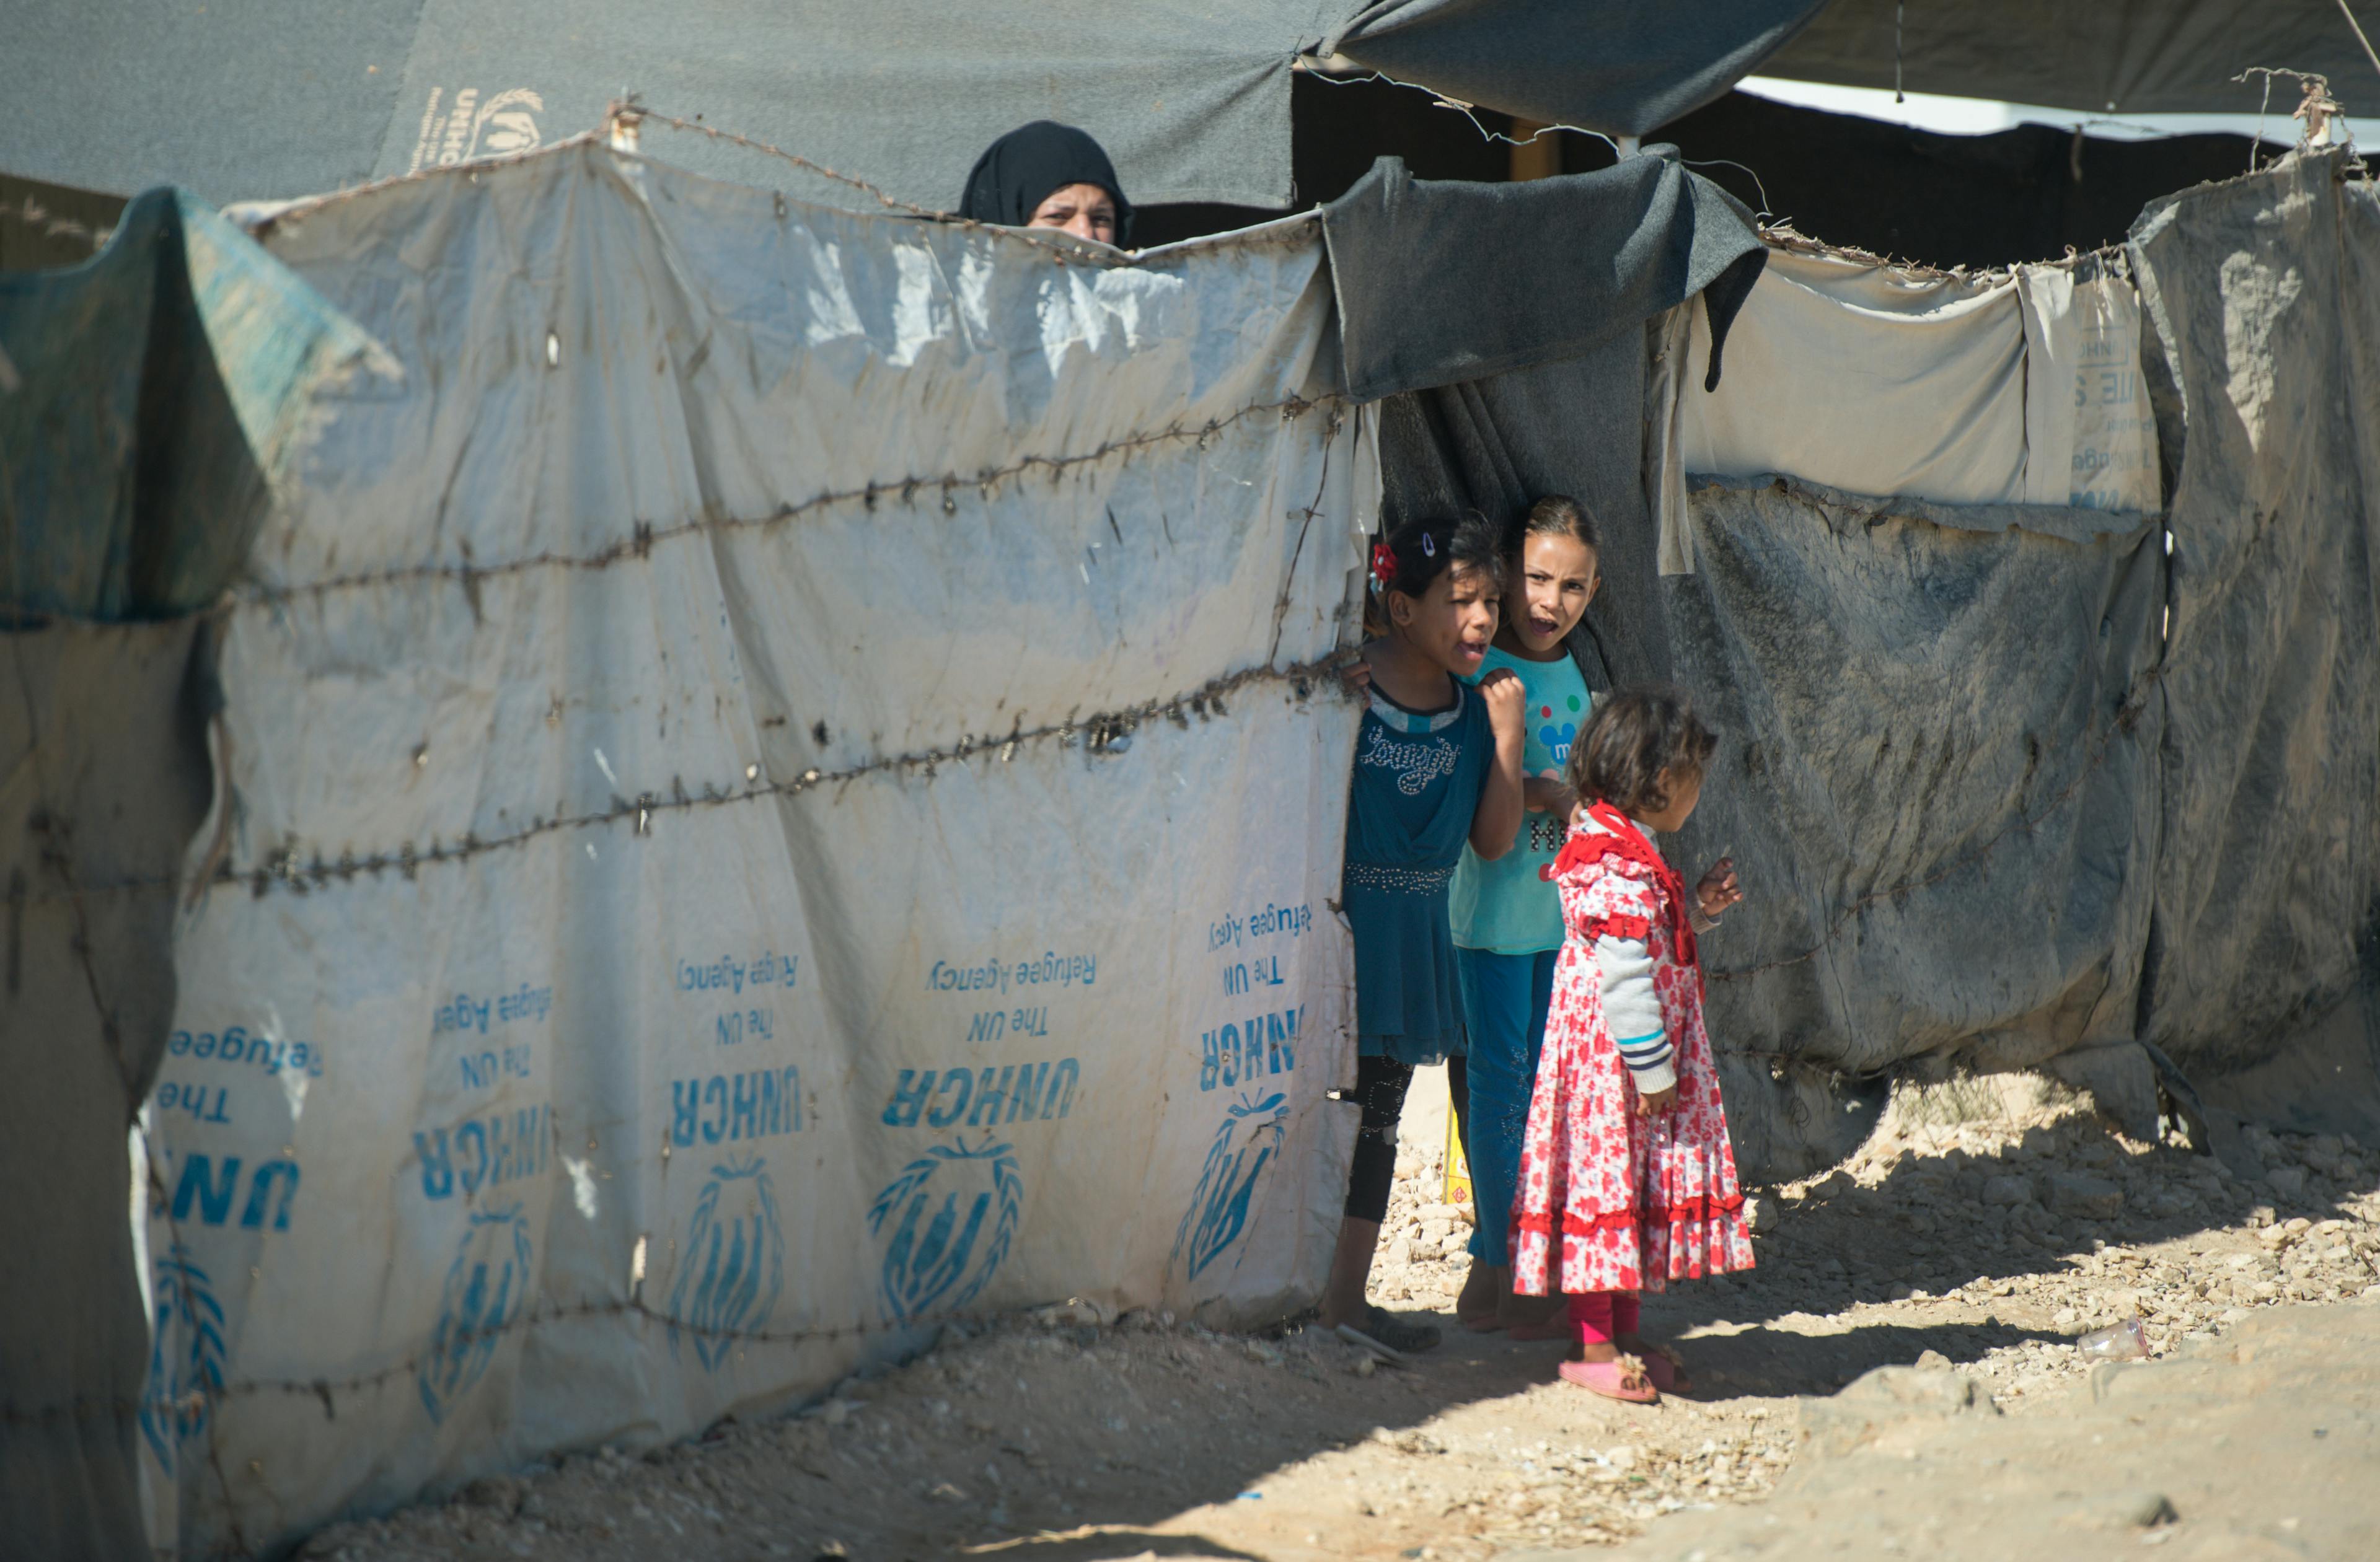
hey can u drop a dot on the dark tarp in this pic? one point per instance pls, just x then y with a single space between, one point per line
155 388
2265 296
2149 57
250 102
104 779
1443 281
150 399
44 225
1623 68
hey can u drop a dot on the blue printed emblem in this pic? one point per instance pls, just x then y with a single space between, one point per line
734 1268
932 1259
185 1356
1250 1136
486 1292
1558 739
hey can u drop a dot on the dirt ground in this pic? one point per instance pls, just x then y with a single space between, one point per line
1983 1228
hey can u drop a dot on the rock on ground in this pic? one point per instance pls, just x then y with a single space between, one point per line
1049 1438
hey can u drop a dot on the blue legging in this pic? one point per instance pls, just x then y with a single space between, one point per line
1505 999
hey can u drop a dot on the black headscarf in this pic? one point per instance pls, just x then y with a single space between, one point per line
1021 170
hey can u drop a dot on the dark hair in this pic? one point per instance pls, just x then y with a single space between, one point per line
1556 514
1419 552
1631 739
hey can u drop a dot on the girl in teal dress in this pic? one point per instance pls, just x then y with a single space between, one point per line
1507 918
1438 766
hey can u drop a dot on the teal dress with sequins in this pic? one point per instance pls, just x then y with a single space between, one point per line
1419 775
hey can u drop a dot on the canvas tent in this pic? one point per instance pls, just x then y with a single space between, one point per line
569 896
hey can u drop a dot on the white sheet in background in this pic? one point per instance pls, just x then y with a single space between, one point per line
2091 436
2011 389
555 1077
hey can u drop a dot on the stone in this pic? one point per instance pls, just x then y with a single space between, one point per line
1760 1214
2137 1509
2079 1193
1887 1396
2004 1191
2288 1181
501 1493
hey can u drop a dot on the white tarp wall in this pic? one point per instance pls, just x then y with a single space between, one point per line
2013 388
778 795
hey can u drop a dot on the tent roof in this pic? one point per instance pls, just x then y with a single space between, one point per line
266 102
1192 99
2146 56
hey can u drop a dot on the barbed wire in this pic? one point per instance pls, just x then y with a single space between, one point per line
1785 237
1100 732
645 534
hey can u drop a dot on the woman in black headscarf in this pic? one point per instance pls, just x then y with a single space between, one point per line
1049 176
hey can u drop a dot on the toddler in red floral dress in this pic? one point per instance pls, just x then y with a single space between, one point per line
1627 1178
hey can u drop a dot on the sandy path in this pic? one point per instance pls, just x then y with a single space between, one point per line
1977 1249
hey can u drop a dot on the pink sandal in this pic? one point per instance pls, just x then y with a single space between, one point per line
1610 1379
1665 1372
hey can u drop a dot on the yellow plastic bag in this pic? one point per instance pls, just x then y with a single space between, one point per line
1458 1171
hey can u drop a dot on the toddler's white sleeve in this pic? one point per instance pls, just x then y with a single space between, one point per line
1632 1009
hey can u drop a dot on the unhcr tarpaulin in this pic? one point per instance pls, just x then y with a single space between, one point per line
779 795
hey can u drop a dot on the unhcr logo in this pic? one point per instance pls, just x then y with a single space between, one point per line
933 1259
486 1291
735 1263
185 1356
467 127
1250 1136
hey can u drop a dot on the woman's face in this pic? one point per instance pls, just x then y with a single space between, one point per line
1085 211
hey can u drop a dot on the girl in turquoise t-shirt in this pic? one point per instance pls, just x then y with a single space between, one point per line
1507 919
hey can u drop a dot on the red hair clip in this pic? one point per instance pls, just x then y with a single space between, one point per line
1384 564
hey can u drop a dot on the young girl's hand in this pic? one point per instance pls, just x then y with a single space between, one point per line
1652 1104
1719 888
1358 672
1506 697
1544 794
